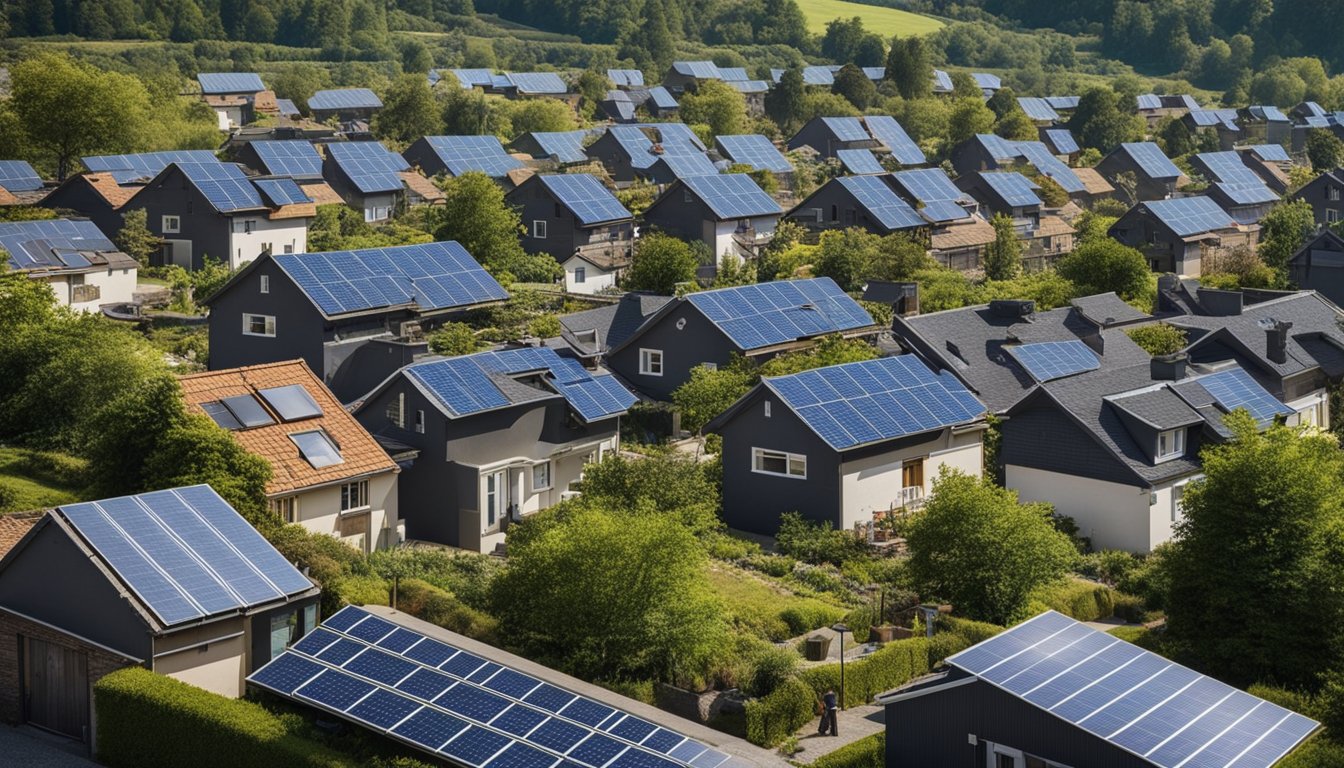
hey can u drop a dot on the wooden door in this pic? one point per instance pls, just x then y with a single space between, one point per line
56 688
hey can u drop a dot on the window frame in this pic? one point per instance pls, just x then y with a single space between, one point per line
758 455
647 362
580 275
1177 447
550 479
419 421
539 229
357 491
267 323
265 283
175 229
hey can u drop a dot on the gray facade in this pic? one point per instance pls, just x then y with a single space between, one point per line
78 195
1324 195
1147 188
817 135
1165 250
972 156
609 152
208 230
562 233
684 336
833 206
1319 266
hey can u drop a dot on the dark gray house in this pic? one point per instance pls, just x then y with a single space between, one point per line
629 152
353 316
519 426
828 134
1235 186
367 176
1323 195
344 104
175 581
1319 266
728 212
1053 693
1270 162
1155 176
456 155
868 202
1180 235
709 327
572 213
845 444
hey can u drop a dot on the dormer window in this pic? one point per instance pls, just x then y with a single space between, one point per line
1170 444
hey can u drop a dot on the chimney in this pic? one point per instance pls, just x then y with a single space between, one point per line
1168 367
1220 303
1094 340
1276 341
1011 307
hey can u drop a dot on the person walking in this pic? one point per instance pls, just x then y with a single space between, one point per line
829 705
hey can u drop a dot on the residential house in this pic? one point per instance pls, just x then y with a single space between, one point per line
1154 108
344 105
367 176
626 78
1053 692
1061 143
292 158
758 321
352 316
958 234
174 581
1265 124
618 106
657 101
102 192
1222 123
726 212
989 152
563 148
989 84
1234 186
84 269
1038 110
630 151
845 444
456 155
686 74
670 166
1181 235
516 85
1323 195
590 334
753 92
571 214
519 426
214 210
1319 266
231 95
1045 236
328 474
20 184
867 202
756 151
1270 162
880 133
1139 171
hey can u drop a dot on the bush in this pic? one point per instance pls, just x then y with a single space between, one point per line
146 720
440 607
816 542
773 718
770 670
807 615
1158 339
54 468
639 690
868 752
973 631
1130 608
363 589
892 665
1079 599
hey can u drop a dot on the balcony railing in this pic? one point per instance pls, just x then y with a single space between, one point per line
910 497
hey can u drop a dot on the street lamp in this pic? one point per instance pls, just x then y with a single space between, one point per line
841 629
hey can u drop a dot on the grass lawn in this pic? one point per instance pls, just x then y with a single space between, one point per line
766 609
884 21
34 480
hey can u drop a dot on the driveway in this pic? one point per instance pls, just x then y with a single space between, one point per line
22 746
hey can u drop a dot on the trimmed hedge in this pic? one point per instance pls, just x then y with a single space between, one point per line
146 720
1077 598
893 664
773 718
868 752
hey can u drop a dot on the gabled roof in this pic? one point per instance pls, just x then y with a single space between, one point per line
765 314
1313 317
539 83
987 81
1189 216
754 150
701 70
593 331
461 154
145 165
625 77
585 197
369 165
360 455
564 147
637 142
223 185
877 198
344 98
728 196
59 245
229 82
1037 108
1149 159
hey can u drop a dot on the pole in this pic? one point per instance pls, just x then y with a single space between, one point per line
842 670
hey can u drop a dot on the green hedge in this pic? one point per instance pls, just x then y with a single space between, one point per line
893 664
146 720
868 752
773 718
1080 599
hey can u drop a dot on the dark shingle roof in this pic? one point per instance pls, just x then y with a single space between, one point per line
613 323
1107 309
1312 316
1160 407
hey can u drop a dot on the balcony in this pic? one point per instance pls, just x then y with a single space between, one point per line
911 497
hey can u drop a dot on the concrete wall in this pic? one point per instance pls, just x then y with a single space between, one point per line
1112 515
212 656
319 510
875 483
114 285
277 235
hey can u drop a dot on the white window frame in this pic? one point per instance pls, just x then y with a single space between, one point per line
1332 193
767 409
286 508
1332 214
649 360
1178 498
267 321
172 228
1176 444
265 283
420 422
550 480
795 464
289 248
539 229
354 496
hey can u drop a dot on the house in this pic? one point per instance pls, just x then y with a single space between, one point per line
1155 177
754 150
516 85
657 101
570 215
328 473
1270 162
1053 692
111 181
367 176
684 74
753 93
200 210
942 82
1222 123
563 148
519 426
844 443
174 580
957 234
591 333
626 78
456 155
1319 266
20 184
758 321
726 212
1323 195
1180 235
232 96
867 202
293 158
352 316
989 84
1234 186
989 152
630 151
1154 108
1265 124
1038 110
670 166
618 106
828 134
1061 143
84 269
1045 236
344 105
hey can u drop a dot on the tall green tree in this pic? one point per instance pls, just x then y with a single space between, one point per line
475 214
1003 256
660 262
1324 149
969 117
1102 265
784 102
909 68
409 111
134 237
1284 230
717 105
1099 123
649 41
855 86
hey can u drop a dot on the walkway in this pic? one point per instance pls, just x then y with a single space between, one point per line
33 749
854 723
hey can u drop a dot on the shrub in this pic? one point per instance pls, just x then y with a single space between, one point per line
440 607
146 720
972 631
639 690
868 752
773 718
1158 339
894 664
364 589
770 564
770 670
807 615
1082 600
816 542
1130 608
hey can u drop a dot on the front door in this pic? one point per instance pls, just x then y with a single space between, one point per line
56 688
496 497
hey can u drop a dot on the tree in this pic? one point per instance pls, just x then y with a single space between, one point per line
855 86
842 38
717 105
649 42
1102 265
409 111
829 350
969 117
659 264
709 392
977 547
453 339
845 256
784 102
1099 123
1283 232
1324 149
1265 527
197 451
540 115
909 68
1016 126
1003 256
475 215
1158 339
135 239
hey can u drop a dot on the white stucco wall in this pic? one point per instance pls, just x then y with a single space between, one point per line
279 233
320 511
115 285
874 483
595 279
217 667
1317 401
722 233
1112 515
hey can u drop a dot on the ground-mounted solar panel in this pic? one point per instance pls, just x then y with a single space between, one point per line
1015 189
754 150
1037 109
1148 156
586 197
1234 388
344 98
1187 216
881 202
290 157
846 128
887 130
859 161
218 83
732 196
765 314
1050 360
19 176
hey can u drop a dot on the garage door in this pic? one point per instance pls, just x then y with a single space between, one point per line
56 688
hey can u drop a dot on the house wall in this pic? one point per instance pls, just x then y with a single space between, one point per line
274 235
697 341
376 207
1325 197
971 157
1320 267
79 197
298 325
722 241
1112 515
595 279
206 229
564 232
816 135
874 482
212 656
114 285
320 512
833 207
1118 162
609 152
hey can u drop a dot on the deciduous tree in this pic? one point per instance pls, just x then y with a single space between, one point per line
1003 256
1101 265
659 263
409 111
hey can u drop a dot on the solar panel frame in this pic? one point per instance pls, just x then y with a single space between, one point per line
886 207
1050 360
754 150
19 176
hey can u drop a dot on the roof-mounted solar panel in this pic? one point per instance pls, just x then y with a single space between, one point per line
1050 360
247 411
317 448
291 402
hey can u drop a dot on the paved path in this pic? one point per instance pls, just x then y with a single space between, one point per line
855 723
22 746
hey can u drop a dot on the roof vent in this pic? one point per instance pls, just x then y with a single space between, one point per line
1168 367
1011 307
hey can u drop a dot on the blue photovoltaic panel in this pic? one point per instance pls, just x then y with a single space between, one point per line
563 146
519 720
860 403
223 184
1038 155
846 128
749 86
344 98
287 672
700 70
625 77
1188 216
733 74
280 192
998 147
764 314
881 202
1148 156
1062 141
369 165
1062 102
818 75
676 138
1015 189
942 81
688 165
1038 109
1050 360
1248 194
1272 153
859 161
522 756
928 185
146 165
586 198
636 144
939 211
1228 168
1312 109
550 698
1142 703
428 728
472 78
435 275
886 130
186 553
1148 101
51 243
732 196
875 74
538 82
754 150
19 176
987 81
1235 389
511 683
287 108
213 83
662 98
473 153
293 157
1269 113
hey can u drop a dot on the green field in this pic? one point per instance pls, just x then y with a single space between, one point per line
33 480
884 21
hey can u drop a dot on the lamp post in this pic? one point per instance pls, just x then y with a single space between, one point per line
841 629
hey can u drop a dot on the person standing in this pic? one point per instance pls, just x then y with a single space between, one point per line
829 705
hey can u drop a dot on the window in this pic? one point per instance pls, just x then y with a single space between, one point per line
420 422
767 409
396 410
539 229
541 476
265 283
244 226
580 274
309 618
651 362
289 248
1170 444
287 509
1332 214
172 224
284 630
778 463
355 496
912 474
1333 193
1177 502
258 325
494 490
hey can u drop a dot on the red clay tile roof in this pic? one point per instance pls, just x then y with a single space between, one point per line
108 187
321 193
291 472
15 527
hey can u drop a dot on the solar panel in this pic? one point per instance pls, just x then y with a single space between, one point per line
51 243
1038 155
1062 102
998 147
881 202
369 165
942 82
688 165
145 165
1247 194
1271 153
1038 109
701 70
1150 159
430 276
859 161
1162 712
19 176
732 196
662 98
626 77
317 448
229 82
247 411
677 138
224 185
296 158
987 81
344 98
1235 388
1148 101
291 402
846 128
928 185
733 74
754 150
620 103
1050 360
1062 140
1228 168
287 108
749 86
876 74
886 130
586 198
471 78
280 192
1015 189
473 153
1188 216
765 314
221 415
562 146
818 75
538 82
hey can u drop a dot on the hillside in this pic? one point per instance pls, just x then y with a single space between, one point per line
884 21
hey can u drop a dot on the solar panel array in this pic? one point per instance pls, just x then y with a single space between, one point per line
1014 188
1235 180
677 138
229 82
463 708
280 192
146 165
748 86
471 78
431 276
881 202
998 147
1038 108
764 314
662 98
1148 101
564 146
1241 194
754 150
860 403
846 128
637 145
1316 121
885 129
1150 159
1269 112
1050 360
224 185
701 70
732 196
934 191
473 153
733 74
51 243
287 107
185 553
1234 388
942 82
1037 154
818 75
586 197
1312 109
1271 153
19 176
1063 102
626 77
688 165
987 81
317 448
538 82
1062 140
369 165
1165 713
1188 216
293 157
345 98
859 161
